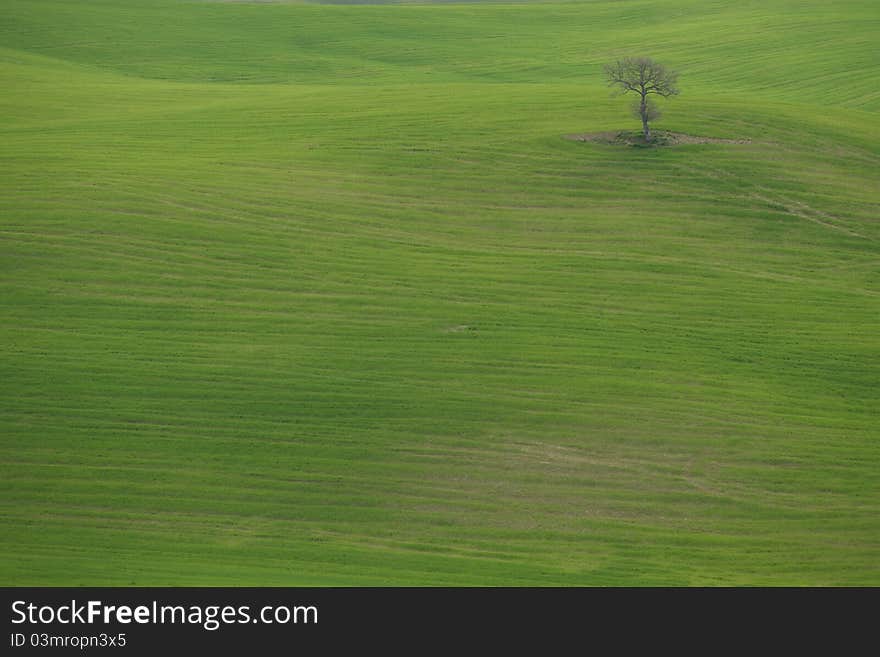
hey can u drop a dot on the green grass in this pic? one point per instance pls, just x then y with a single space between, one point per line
300 294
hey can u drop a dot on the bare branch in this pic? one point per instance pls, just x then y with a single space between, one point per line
642 74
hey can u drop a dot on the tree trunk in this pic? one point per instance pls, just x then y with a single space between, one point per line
643 110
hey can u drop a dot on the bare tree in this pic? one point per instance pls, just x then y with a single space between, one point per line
643 76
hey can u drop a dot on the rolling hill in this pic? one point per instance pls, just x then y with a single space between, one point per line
319 294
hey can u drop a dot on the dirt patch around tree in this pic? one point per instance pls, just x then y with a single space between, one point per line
658 138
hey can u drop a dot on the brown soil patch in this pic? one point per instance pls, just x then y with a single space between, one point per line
660 138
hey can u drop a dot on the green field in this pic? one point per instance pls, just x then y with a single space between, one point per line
312 294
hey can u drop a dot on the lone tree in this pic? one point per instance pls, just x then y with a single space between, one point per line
643 76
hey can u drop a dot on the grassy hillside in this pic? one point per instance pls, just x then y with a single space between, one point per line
303 294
